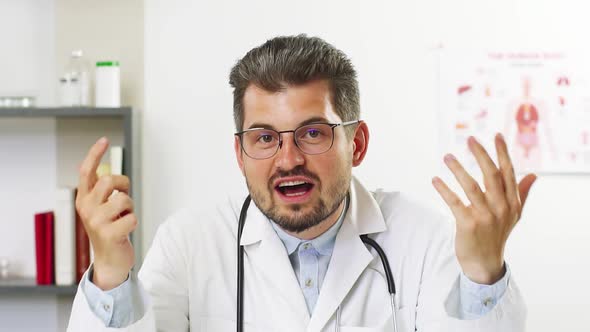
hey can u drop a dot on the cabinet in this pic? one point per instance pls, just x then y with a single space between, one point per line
75 129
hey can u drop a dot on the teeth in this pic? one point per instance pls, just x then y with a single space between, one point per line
296 194
291 183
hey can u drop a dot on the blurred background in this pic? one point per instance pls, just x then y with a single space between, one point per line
172 114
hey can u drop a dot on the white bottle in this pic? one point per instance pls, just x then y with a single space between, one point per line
78 73
108 84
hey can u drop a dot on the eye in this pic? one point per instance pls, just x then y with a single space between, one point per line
265 138
313 133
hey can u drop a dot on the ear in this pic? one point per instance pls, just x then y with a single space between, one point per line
239 153
360 143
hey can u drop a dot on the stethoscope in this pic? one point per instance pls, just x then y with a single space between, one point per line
240 291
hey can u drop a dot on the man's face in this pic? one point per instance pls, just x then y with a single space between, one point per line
294 189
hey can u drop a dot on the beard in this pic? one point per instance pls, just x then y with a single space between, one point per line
296 220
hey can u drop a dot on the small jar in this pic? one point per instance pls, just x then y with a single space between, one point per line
108 84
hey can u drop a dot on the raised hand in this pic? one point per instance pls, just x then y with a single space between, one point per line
484 226
107 218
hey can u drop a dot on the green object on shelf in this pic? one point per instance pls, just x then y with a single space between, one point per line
107 64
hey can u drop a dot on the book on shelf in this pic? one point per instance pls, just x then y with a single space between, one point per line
116 158
103 169
82 247
44 222
65 237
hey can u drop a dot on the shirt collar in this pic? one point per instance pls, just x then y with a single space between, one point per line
324 243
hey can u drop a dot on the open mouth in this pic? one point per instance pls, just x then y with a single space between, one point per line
292 189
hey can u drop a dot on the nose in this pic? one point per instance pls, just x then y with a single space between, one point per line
289 156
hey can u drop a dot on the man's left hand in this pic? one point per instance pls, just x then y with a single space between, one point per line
483 227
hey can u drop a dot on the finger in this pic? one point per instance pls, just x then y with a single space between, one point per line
107 184
451 199
492 178
524 187
507 170
88 167
117 206
469 185
123 226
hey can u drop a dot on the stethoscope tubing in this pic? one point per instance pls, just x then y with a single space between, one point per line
240 282
240 290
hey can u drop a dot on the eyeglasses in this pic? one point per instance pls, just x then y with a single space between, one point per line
315 138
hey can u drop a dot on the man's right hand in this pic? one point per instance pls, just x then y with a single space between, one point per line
108 220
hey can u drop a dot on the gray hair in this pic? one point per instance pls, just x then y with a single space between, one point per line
295 60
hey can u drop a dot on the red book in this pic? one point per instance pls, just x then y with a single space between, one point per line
82 248
44 248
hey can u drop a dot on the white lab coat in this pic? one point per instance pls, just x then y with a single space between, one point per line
188 279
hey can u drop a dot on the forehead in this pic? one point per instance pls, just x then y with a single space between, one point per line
289 107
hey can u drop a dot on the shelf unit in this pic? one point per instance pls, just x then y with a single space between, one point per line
27 286
30 287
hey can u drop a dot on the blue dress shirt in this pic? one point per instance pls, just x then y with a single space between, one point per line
310 258
114 307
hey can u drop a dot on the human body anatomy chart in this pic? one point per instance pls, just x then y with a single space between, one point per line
539 101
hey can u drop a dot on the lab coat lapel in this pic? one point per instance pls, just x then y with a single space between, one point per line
350 256
265 251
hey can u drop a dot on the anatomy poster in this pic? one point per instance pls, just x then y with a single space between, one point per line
539 101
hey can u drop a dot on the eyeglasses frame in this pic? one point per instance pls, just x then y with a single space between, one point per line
279 146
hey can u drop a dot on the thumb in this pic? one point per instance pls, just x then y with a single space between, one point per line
524 186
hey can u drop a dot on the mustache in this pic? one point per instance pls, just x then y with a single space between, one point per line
297 171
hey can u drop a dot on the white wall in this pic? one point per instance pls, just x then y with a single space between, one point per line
190 47
26 60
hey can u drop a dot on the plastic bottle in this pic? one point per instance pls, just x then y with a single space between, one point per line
64 94
108 84
78 74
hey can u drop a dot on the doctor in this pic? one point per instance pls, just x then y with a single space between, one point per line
305 267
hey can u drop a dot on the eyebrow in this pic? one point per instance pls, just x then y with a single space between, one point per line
315 119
